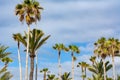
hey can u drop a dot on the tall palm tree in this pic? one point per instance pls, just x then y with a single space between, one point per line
45 70
36 40
19 58
30 11
101 50
114 48
73 49
59 47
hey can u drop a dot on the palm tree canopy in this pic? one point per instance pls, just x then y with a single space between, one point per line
101 48
28 10
97 68
3 52
65 76
104 47
51 76
83 65
36 40
74 48
60 47
6 76
114 44
92 59
7 60
44 70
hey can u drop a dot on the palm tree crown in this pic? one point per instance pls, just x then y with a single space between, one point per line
28 10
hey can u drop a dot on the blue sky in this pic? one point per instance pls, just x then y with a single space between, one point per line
79 22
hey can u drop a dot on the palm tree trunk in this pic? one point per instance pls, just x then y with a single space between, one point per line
59 65
82 72
31 67
85 72
104 69
44 75
36 66
113 67
36 73
26 75
19 59
72 66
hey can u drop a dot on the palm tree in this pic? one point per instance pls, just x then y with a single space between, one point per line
65 76
6 60
45 70
59 47
92 59
73 49
19 58
51 77
83 66
118 77
3 52
98 69
30 11
36 40
4 74
101 50
114 47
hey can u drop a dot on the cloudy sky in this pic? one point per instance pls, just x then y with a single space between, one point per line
79 22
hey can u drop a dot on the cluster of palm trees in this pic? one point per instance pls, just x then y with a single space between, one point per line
30 12
107 47
48 76
73 49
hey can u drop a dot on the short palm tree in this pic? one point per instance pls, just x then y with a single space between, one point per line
36 41
98 69
83 66
118 77
59 47
73 49
51 77
45 70
65 76
19 58
28 10
4 74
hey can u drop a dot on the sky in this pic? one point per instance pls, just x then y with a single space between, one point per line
79 22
